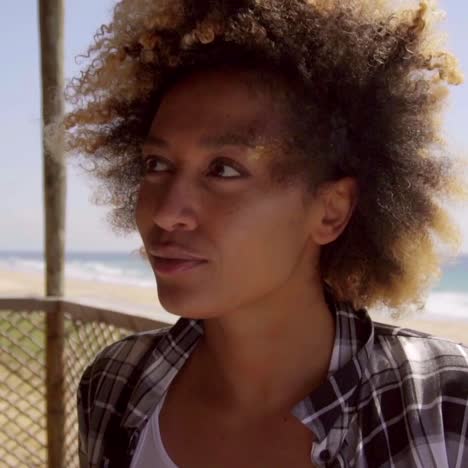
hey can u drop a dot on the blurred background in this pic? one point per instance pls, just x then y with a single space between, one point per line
101 266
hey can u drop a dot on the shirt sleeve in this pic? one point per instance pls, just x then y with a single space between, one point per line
455 415
84 410
443 402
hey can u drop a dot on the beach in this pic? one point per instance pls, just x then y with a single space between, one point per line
131 299
143 301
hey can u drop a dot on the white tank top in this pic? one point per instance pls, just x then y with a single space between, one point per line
150 451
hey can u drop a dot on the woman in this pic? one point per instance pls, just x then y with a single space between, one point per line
282 163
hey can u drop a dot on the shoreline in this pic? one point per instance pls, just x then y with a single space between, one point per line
144 301
131 299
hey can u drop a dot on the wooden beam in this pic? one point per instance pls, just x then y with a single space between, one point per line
98 313
86 311
51 20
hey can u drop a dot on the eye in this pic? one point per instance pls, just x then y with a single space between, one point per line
150 162
220 163
150 165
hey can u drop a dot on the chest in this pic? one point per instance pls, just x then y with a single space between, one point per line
195 438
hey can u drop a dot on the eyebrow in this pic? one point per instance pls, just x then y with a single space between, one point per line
230 138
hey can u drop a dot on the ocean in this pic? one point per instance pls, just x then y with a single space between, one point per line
447 300
108 267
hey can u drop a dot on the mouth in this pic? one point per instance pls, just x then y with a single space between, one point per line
169 266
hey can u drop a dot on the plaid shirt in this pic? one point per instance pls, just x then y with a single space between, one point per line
393 397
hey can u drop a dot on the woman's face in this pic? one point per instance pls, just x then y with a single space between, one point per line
208 189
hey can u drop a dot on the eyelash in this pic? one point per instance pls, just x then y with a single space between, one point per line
157 159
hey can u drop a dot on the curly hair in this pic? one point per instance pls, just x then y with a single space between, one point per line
365 85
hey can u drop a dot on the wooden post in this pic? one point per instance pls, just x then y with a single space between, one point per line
51 19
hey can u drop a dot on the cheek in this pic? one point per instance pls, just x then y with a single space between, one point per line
259 251
263 236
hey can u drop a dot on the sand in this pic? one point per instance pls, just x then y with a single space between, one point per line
132 299
144 301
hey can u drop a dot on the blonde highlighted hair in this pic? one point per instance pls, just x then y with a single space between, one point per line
366 86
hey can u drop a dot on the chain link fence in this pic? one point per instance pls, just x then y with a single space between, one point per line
87 330
22 390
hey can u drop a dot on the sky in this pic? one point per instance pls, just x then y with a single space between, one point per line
21 194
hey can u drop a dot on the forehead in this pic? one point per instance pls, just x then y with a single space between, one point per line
219 103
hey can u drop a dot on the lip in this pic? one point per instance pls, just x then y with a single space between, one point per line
170 266
174 251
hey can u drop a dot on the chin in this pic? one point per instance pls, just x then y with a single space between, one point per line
186 307
191 313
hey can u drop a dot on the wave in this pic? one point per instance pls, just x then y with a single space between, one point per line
135 274
446 306
439 306
448 302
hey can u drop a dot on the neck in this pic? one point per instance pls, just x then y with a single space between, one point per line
269 356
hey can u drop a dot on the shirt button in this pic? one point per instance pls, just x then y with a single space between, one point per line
325 455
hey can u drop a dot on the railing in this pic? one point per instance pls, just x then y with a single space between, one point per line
23 392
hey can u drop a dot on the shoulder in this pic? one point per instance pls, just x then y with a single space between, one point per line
130 349
428 370
121 359
116 369
404 344
412 400
106 384
420 353
119 376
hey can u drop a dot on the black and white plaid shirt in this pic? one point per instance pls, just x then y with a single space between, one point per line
393 398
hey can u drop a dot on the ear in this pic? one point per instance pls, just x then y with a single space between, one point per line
335 204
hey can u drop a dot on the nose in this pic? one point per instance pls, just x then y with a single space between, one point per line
175 206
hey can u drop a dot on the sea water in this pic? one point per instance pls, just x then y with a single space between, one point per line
448 299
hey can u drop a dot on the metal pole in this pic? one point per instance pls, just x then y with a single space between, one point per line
51 19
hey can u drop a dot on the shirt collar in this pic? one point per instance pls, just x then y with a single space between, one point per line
319 411
336 397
